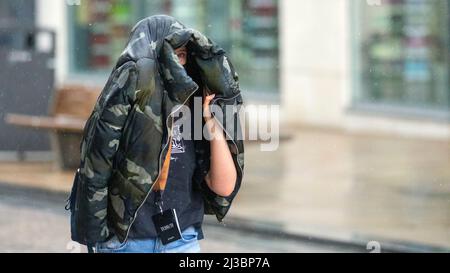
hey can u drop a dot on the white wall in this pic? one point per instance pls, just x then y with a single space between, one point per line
316 73
314 61
52 14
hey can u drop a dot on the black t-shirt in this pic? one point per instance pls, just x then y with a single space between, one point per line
180 192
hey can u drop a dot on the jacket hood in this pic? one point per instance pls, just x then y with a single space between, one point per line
149 48
152 42
147 36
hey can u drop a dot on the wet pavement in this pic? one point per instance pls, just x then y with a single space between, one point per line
351 187
327 184
36 222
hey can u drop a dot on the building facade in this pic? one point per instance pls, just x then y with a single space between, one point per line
366 66
374 66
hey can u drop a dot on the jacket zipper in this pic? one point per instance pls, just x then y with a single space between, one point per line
162 151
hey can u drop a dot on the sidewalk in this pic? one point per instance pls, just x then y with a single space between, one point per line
327 186
351 188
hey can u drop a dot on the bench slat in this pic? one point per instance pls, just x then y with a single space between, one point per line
58 123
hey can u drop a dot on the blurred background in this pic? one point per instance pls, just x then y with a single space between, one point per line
364 91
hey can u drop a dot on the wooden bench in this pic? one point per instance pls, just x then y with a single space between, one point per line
70 108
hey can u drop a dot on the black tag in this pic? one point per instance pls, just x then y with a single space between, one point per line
167 227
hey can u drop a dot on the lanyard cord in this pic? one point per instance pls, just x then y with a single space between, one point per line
160 185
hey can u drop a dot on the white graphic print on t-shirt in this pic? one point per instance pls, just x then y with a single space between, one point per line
177 141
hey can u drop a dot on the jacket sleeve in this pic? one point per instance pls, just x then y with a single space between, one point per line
219 75
100 142
215 204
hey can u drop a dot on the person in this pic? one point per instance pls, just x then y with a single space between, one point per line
151 191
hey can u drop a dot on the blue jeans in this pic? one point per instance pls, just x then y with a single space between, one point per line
187 244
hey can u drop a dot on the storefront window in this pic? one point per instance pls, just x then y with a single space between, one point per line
246 29
402 50
100 29
258 53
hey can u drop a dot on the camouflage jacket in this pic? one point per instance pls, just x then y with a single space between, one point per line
126 135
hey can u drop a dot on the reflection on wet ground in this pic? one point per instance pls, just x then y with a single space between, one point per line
345 186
